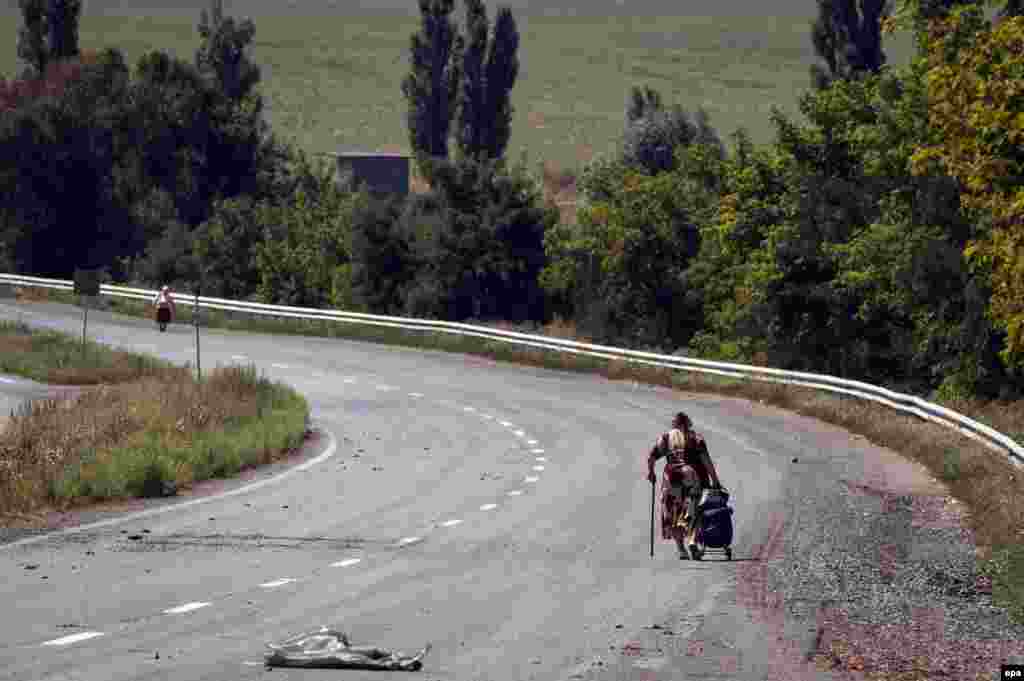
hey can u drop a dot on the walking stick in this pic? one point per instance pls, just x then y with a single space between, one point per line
652 520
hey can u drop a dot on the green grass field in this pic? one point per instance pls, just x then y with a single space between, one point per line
332 72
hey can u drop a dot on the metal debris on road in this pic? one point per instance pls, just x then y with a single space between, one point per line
330 649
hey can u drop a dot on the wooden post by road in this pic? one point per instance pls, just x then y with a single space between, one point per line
652 520
86 285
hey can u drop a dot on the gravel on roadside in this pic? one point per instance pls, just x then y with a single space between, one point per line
889 579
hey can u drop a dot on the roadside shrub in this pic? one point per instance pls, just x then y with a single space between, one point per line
1006 570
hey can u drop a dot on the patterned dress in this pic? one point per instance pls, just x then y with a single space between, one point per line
684 475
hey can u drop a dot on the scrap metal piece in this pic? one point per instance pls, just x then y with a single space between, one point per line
327 648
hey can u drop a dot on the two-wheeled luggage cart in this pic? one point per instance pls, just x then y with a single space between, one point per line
716 528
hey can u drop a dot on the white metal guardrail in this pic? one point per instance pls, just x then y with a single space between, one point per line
898 401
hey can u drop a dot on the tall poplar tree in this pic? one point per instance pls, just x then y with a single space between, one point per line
501 73
431 88
49 32
471 134
847 36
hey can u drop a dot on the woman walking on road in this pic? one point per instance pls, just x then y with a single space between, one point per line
688 471
164 305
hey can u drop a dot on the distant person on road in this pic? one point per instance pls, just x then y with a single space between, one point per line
688 471
164 304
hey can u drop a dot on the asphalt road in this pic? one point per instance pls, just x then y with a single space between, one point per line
14 391
496 511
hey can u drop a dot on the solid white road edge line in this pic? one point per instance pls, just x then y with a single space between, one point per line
279 366
346 563
188 607
7 380
73 638
320 458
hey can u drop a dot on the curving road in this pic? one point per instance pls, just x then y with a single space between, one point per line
497 511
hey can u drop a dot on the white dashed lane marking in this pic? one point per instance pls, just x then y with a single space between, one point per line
488 417
542 459
348 379
519 433
415 394
488 507
386 388
277 582
73 638
531 478
505 423
536 451
451 523
188 607
239 358
346 563
538 468
531 442
408 540
279 366
469 409
515 493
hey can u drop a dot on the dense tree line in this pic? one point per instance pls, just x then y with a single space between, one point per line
115 167
877 236
168 172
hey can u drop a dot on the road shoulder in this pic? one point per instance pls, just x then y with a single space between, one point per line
317 443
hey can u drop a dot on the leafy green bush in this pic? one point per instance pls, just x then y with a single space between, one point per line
304 241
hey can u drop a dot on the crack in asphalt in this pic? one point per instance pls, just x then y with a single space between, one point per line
241 541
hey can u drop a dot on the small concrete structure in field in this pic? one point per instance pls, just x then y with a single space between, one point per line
383 172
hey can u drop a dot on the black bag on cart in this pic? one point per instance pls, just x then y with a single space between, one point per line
716 529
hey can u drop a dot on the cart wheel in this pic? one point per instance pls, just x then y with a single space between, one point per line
728 553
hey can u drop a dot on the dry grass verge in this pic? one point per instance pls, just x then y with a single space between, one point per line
50 357
984 481
154 431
